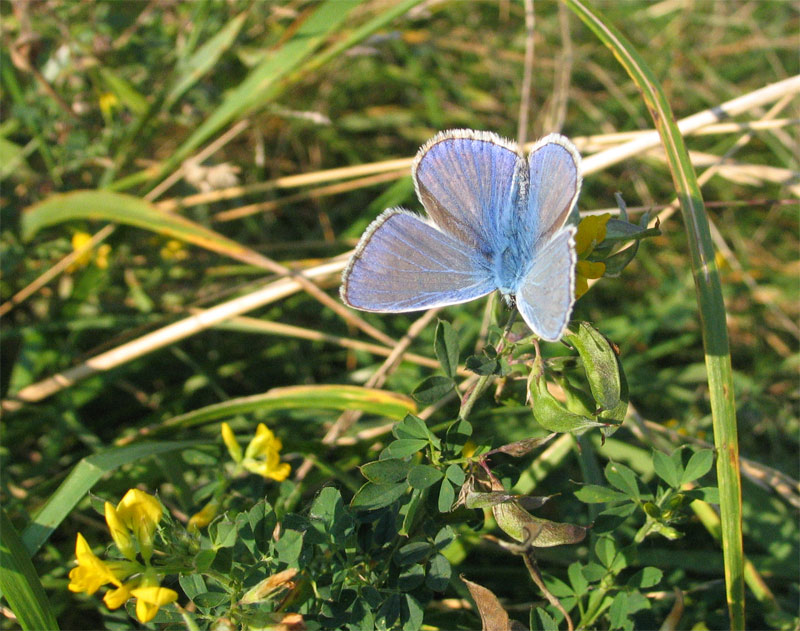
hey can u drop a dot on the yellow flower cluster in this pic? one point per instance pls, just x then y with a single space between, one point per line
262 455
100 257
591 232
132 522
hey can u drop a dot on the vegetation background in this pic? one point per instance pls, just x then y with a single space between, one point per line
119 95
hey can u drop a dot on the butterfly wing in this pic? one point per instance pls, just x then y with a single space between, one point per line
547 292
403 263
468 181
555 181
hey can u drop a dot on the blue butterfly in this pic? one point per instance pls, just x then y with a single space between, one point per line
495 221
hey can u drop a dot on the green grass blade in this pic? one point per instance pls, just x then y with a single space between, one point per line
80 480
203 59
260 84
709 297
370 400
132 211
20 583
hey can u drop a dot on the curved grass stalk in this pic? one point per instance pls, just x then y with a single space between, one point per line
709 298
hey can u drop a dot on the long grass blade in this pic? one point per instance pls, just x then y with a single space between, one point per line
19 582
709 297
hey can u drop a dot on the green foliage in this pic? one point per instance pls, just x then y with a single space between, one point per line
103 102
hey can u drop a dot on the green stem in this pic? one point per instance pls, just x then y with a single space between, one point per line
485 380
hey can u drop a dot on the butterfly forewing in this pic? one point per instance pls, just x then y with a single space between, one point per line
403 263
468 181
555 181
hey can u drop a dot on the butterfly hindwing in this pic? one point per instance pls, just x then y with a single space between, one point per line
547 292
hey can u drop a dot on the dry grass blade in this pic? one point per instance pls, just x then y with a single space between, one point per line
166 335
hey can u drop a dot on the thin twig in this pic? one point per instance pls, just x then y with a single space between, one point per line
527 75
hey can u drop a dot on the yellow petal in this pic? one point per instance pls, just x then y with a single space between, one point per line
591 231
149 599
202 518
115 598
141 513
261 442
591 269
119 532
228 437
581 285
92 572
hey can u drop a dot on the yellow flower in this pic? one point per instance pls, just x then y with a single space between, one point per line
265 445
141 513
115 598
79 240
92 572
231 443
591 231
119 532
149 597
101 260
202 518
108 103
174 250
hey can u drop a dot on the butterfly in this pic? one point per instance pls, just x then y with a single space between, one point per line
495 221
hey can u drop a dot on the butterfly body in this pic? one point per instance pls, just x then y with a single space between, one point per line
495 221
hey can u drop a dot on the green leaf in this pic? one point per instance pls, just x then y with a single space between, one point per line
606 551
192 585
289 547
666 469
326 397
603 371
645 578
131 211
577 579
386 471
81 479
374 496
411 578
413 552
546 621
548 412
699 464
410 510
595 494
439 572
225 533
209 600
432 389
20 583
414 427
623 478
483 365
422 476
445 345
455 474
618 612
444 538
329 515
403 447
457 435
